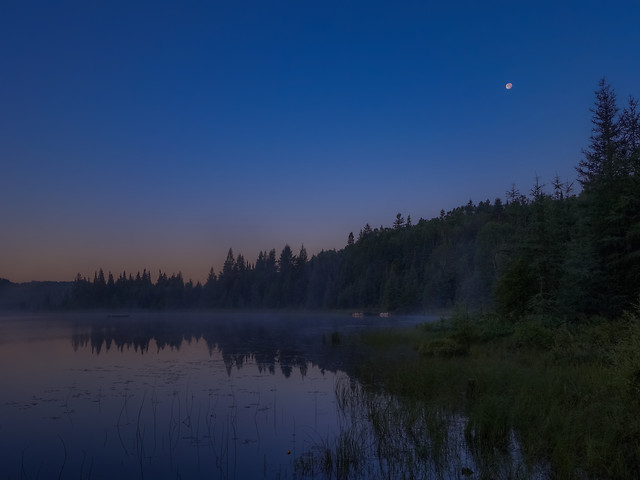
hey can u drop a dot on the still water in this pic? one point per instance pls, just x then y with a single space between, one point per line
170 395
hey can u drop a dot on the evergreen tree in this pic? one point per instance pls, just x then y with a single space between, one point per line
209 290
272 292
286 260
286 275
300 278
302 258
558 187
630 137
514 196
537 191
611 203
601 158
399 222
227 280
229 264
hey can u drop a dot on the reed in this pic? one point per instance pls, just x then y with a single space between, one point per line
140 438
119 424
23 473
384 436
64 459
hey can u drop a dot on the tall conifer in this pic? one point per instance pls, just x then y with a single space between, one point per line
601 159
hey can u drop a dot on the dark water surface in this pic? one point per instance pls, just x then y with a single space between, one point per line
169 395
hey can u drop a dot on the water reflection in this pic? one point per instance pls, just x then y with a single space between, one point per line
285 341
161 396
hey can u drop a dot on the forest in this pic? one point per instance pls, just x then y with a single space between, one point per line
560 248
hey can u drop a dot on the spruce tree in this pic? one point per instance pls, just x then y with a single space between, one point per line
601 159
398 222
611 203
630 137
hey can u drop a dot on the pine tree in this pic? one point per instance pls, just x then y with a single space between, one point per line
601 159
514 195
227 280
611 202
630 136
398 222
302 258
299 278
537 190
558 187
364 233
229 264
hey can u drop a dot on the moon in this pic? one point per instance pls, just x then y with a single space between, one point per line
508 86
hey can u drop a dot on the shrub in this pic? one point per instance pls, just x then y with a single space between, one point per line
443 347
532 335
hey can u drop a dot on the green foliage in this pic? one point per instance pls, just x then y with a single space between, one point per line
443 347
532 335
568 394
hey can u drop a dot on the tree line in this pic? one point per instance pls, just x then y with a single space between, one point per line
547 250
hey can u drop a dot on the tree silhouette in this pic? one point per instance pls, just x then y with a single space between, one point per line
601 158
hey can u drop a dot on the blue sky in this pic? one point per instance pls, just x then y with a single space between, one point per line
158 134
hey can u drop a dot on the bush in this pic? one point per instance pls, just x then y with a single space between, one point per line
443 347
532 335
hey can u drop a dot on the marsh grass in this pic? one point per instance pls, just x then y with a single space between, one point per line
566 396
382 436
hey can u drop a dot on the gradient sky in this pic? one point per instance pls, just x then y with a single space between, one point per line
158 134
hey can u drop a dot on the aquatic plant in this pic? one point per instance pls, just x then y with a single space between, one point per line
383 436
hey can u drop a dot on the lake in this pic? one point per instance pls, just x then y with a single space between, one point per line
172 395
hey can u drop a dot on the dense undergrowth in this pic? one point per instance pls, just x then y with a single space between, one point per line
569 392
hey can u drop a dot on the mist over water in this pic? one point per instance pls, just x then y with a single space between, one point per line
169 395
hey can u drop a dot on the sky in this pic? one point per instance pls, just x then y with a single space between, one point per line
157 135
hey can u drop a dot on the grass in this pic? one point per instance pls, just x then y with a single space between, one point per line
569 394
382 437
